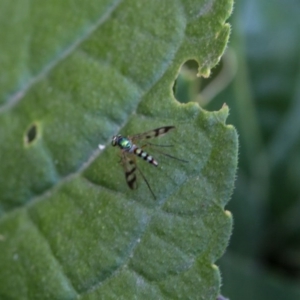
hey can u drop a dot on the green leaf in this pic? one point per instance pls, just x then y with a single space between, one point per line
70 227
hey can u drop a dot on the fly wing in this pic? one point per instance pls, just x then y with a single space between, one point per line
152 133
129 166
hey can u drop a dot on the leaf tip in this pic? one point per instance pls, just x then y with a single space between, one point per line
223 113
228 214
204 72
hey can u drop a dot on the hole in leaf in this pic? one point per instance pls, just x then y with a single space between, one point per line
31 134
189 87
187 84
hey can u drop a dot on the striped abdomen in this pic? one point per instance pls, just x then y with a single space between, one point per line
141 153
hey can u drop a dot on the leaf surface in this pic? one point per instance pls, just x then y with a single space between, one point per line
69 226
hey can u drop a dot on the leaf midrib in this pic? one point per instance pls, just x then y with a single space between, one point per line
16 97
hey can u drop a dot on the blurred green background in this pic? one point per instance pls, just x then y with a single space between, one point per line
259 79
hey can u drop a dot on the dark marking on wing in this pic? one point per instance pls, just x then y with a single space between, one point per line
162 130
152 133
129 169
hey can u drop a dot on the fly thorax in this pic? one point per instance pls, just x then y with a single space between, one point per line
125 144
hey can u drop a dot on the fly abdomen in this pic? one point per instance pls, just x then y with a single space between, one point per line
141 153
